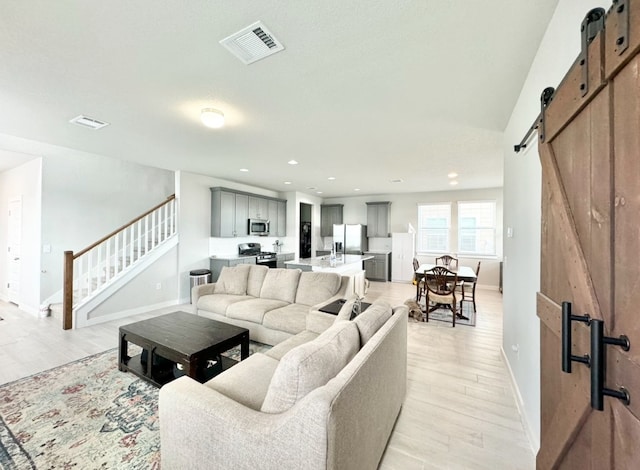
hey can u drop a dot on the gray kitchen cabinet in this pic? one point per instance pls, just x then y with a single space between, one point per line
379 267
258 207
378 219
277 218
281 258
231 211
329 214
282 219
218 263
323 252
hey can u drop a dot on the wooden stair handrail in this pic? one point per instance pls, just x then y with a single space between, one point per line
106 237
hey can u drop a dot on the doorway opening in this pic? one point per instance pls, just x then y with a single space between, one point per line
305 230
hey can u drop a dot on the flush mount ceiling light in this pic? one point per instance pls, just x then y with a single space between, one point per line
453 174
453 183
287 182
331 178
292 162
212 117
244 170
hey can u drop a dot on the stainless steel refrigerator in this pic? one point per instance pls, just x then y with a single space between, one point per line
350 239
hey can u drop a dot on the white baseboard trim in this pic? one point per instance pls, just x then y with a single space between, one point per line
534 441
129 313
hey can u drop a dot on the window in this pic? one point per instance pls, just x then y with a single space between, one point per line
477 227
434 221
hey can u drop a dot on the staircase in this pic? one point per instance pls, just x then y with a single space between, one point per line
93 274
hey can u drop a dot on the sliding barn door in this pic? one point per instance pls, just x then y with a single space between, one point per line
590 156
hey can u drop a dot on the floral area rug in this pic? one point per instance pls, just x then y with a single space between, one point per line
82 415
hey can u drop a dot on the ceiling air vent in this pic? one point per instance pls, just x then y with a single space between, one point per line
252 43
88 122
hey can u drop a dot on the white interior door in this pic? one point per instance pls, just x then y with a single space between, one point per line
13 249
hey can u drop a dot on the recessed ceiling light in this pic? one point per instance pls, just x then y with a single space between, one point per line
453 182
453 174
244 169
318 192
287 182
356 189
292 162
399 180
331 178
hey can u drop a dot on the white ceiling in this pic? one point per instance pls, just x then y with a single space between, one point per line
366 92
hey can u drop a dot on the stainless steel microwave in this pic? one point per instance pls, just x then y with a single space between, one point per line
259 227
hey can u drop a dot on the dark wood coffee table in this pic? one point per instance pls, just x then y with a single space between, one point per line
181 338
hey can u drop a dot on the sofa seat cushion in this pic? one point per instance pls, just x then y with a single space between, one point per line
253 310
287 345
372 319
246 382
233 280
317 287
292 318
280 284
311 365
218 303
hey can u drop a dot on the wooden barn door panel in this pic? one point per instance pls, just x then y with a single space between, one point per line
591 255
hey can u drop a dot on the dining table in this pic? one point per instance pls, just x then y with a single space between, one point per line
465 273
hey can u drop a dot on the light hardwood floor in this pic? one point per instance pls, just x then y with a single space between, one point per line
459 412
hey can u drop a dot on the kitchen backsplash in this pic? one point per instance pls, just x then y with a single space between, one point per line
379 244
229 246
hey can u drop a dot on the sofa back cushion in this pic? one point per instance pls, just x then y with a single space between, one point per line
311 365
256 278
372 319
280 284
314 288
233 280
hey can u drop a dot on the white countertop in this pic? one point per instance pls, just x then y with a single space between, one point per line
324 263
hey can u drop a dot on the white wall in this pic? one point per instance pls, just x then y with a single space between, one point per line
23 182
404 211
522 193
142 293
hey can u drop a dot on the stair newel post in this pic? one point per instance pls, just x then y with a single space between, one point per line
67 299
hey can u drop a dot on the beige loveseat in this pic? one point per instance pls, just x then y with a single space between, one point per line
314 401
273 304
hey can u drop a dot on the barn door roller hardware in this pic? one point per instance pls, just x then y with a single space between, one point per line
592 24
567 357
545 99
621 8
598 362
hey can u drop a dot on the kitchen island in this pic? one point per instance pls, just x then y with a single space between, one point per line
346 265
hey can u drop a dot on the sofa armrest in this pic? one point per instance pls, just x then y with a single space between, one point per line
201 428
200 290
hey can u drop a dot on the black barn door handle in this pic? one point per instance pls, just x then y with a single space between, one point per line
567 357
598 363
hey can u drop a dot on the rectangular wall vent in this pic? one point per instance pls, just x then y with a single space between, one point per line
88 122
252 43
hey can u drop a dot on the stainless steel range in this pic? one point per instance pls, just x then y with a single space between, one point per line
265 258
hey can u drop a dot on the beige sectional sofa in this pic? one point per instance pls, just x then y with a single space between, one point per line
273 304
318 400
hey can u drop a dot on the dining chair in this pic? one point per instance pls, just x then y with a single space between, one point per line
440 291
468 291
420 282
448 261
